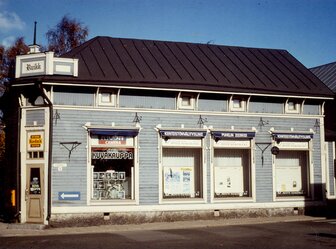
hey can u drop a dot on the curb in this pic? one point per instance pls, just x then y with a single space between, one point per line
12 230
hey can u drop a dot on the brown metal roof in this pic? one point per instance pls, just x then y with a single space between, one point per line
190 66
326 73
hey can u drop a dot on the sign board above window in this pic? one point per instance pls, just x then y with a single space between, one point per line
292 136
182 133
218 135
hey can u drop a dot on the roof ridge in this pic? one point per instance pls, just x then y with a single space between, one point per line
184 42
323 65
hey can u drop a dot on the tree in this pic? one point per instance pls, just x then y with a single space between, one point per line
68 34
19 48
3 72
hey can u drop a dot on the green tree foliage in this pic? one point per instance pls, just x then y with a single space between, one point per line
68 34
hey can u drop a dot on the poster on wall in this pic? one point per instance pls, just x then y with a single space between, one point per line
178 182
229 181
288 180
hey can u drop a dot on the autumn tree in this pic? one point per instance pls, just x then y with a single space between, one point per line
68 34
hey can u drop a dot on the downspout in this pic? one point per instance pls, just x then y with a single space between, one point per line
18 167
49 104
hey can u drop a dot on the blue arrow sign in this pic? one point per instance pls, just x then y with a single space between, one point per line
69 196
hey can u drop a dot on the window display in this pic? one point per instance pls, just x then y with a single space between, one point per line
112 173
291 173
181 173
232 173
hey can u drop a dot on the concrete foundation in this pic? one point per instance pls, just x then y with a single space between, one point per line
89 219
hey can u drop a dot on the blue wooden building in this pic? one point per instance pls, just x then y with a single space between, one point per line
141 128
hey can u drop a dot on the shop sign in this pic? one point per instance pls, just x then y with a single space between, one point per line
293 136
190 134
32 67
111 154
230 135
111 140
35 141
115 140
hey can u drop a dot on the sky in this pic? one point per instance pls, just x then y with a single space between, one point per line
305 28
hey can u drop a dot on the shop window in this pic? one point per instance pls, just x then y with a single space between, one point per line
113 172
292 106
182 173
232 173
291 173
112 165
108 98
237 104
186 101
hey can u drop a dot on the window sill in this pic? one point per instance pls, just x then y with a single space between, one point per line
293 198
233 199
112 202
182 201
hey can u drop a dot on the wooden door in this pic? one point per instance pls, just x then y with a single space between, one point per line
35 193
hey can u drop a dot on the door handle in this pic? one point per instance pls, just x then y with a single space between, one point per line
26 194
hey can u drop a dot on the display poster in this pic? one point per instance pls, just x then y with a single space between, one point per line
179 182
35 141
109 185
112 153
288 180
229 181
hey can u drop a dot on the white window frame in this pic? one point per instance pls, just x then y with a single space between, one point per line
135 184
243 103
113 95
310 172
192 100
203 172
297 106
252 179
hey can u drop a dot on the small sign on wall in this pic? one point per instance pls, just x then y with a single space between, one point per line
69 196
33 67
35 141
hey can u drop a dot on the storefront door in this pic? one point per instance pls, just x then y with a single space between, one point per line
34 193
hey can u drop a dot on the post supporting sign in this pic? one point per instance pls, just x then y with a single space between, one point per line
69 196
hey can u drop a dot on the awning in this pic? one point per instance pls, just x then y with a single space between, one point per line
292 136
217 135
114 132
182 133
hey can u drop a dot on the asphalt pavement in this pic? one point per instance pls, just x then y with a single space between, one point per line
7 230
299 232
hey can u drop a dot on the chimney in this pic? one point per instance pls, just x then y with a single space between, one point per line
34 48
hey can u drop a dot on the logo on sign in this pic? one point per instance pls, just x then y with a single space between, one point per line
112 140
33 67
35 141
